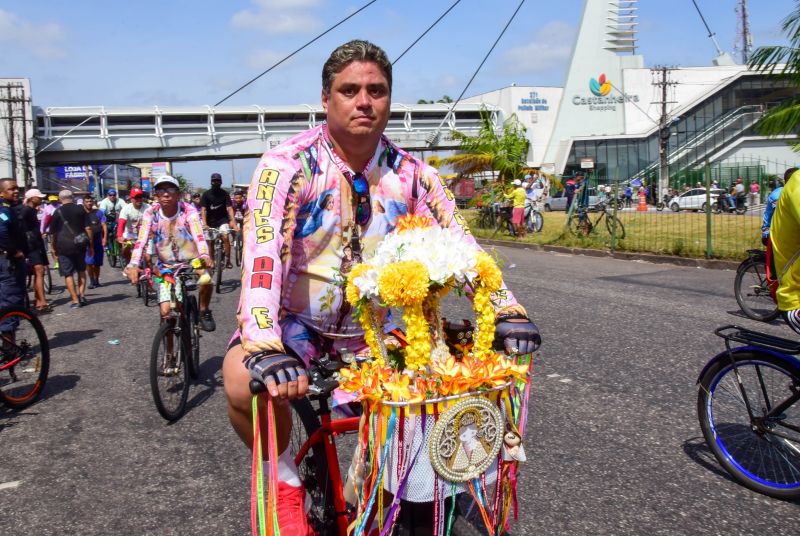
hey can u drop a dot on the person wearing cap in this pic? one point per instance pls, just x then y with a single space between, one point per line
217 212
517 195
69 222
111 206
47 213
36 252
12 252
196 202
176 233
99 225
130 220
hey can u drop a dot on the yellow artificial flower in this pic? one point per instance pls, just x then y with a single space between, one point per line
403 283
484 320
418 335
413 221
397 387
488 272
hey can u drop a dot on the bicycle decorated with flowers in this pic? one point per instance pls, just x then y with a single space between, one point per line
442 412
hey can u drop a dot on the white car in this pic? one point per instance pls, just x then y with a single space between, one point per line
694 199
558 201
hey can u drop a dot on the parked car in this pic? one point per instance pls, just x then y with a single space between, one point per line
694 199
558 201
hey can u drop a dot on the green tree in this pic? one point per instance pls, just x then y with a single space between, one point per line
504 153
445 99
783 61
182 182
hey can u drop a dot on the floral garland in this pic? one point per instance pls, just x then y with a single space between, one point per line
412 269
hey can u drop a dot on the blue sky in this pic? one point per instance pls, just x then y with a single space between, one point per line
195 52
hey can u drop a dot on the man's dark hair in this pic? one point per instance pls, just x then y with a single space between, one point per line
789 172
355 50
4 183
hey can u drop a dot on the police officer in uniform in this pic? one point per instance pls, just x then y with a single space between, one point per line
12 249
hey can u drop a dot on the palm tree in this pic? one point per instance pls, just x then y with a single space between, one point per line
783 60
505 154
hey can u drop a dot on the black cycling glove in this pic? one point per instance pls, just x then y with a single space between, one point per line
516 334
271 367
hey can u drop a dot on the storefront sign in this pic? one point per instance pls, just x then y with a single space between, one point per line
587 163
600 100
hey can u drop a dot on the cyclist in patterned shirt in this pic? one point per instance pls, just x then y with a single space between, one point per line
177 237
317 201
130 219
239 205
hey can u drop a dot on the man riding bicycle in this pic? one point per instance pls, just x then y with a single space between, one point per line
177 237
239 206
319 202
130 220
217 212
111 207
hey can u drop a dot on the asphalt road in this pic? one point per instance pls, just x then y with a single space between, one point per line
613 442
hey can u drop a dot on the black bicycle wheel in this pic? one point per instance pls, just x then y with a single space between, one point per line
752 293
193 333
610 224
218 266
24 358
313 468
169 371
762 452
580 226
239 246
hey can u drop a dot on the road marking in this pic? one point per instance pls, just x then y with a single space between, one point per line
553 375
565 380
10 485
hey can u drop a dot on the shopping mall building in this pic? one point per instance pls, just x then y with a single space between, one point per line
608 116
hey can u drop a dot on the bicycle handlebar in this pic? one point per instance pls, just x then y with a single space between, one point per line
321 382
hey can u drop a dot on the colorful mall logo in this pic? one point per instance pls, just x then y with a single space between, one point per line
600 87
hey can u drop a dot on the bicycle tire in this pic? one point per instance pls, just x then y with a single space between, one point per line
193 329
170 393
537 221
23 383
313 468
758 305
748 449
580 226
239 246
620 227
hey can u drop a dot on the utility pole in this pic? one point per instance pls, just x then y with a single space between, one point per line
661 78
11 135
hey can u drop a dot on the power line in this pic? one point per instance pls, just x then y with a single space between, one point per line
353 14
432 137
426 31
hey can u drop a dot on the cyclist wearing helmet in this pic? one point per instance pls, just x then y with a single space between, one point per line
177 237
130 219
217 212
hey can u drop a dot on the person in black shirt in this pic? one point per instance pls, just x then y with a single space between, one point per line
69 221
36 253
12 248
217 212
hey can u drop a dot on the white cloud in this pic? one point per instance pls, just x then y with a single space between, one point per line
263 59
44 41
279 16
550 48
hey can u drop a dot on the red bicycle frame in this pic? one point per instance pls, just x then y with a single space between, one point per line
325 434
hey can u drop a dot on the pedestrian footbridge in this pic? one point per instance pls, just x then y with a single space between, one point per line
106 135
